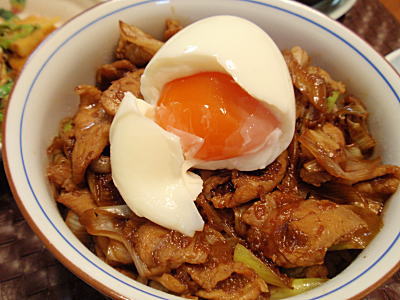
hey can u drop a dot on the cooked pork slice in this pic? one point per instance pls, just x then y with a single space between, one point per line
59 170
239 286
172 283
110 72
370 194
312 85
161 249
135 45
172 26
101 165
219 220
210 274
314 174
380 188
67 135
220 277
78 201
294 232
219 265
114 252
246 186
92 126
213 182
327 145
103 189
335 85
88 95
308 77
112 97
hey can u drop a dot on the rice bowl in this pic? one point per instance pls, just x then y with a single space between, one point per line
34 114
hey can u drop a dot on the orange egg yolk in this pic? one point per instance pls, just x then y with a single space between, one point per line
212 106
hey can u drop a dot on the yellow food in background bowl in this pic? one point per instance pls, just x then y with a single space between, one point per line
18 38
24 24
22 47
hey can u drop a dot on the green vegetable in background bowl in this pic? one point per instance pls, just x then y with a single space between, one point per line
18 38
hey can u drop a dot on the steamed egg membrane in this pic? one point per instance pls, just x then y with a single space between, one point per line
149 166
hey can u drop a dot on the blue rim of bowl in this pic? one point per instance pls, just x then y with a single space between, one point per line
163 1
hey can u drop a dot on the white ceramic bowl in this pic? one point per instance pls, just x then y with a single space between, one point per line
394 59
44 95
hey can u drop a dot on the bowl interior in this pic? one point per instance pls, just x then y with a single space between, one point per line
44 94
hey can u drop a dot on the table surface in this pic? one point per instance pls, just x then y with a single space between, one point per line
29 271
393 6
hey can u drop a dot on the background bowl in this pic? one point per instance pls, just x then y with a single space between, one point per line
44 94
62 9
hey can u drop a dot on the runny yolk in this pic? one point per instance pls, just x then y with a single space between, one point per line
212 106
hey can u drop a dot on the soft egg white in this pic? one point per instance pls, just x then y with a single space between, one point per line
149 170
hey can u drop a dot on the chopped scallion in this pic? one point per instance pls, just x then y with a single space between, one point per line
6 14
10 32
245 256
6 88
68 126
331 100
300 285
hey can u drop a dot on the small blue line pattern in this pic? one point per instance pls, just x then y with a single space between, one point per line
21 142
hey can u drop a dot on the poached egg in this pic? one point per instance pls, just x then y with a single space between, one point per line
217 95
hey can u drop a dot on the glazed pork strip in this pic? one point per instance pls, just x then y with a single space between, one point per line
162 250
293 232
327 146
92 127
103 189
112 251
78 201
59 170
172 26
135 45
112 97
245 186
108 73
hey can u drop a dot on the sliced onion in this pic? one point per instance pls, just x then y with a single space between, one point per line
118 254
100 222
72 221
109 222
